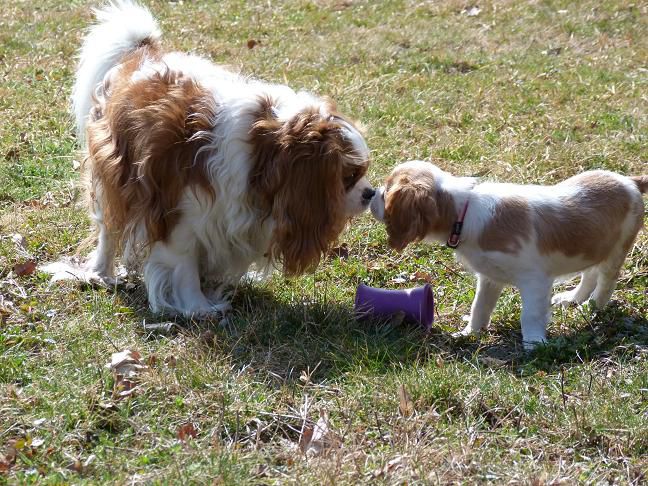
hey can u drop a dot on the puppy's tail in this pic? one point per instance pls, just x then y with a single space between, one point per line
642 183
121 27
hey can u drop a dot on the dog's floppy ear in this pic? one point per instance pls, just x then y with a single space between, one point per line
410 211
299 177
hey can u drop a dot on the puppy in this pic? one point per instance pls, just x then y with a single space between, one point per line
195 173
521 235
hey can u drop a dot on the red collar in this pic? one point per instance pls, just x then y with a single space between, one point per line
453 239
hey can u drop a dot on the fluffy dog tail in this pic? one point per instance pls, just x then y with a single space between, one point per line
121 27
642 183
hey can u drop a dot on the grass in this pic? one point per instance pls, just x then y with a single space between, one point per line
522 91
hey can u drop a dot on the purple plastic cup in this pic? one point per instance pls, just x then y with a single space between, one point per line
417 303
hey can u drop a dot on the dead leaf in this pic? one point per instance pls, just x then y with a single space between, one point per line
19 240
24 269
160 327
422 276
319 438
473 11
252 43
37 442
186 431
405 403
9 459
76 466
492 362
392 465
126 367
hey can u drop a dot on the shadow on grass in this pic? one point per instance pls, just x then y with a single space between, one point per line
284 337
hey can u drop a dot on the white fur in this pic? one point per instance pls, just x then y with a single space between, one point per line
121 27
216 241
530 271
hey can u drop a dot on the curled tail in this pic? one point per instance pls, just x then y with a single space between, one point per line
642 183
121 27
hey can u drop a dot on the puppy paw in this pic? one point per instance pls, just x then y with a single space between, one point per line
564 299
466 331
532 343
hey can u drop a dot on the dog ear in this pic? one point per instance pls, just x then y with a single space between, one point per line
299 175
410 210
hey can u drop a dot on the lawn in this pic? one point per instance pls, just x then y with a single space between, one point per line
517 91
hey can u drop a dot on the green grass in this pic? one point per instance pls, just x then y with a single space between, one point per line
522 92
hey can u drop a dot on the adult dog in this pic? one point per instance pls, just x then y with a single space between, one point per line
195 173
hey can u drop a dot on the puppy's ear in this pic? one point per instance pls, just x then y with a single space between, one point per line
410 210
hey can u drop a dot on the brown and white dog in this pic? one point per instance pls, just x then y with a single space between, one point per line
196 173
521 235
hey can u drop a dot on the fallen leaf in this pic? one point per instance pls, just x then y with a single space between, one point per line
24 269
9 459
76 466
392 465
317 439
159 327
492 362
422 276
37 442
252 43
126 367
405 403
19 240
186 431
473 11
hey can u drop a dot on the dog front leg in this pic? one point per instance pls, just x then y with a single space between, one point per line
488 291
536 310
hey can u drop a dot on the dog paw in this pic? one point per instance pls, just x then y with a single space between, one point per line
98 280
532 343
564 299
211 312
466 331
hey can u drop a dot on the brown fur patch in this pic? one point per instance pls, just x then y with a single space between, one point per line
302 171
415 206
509 227
142 147
587 223
642 183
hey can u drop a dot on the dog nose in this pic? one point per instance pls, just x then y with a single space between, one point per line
368 193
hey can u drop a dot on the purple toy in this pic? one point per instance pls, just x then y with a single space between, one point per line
417 304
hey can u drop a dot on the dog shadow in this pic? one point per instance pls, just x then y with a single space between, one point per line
285 337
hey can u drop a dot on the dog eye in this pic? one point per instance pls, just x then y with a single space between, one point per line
351 179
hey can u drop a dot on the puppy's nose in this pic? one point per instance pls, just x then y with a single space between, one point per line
368 193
